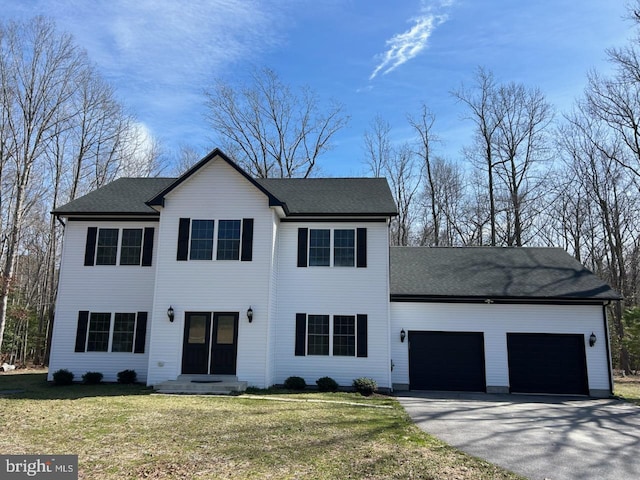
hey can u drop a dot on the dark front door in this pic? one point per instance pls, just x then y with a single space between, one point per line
196 344
452 361
224 346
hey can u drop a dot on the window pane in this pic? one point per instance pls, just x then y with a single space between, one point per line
197 329
228 240
107 246
319 248
224 335
343 248
99 325
123 327
131 246
318 335
201 240
344 335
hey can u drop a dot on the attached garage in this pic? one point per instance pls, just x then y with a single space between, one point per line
498 320
547 363
451 361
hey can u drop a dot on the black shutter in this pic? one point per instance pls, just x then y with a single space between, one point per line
247 240
362 335
81 332
90 247
303 234
183 239
147 246
362 247
141 332
301 333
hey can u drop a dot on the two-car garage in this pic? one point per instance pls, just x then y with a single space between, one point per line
498 320
537 362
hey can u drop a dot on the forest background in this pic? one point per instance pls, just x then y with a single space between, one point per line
529 175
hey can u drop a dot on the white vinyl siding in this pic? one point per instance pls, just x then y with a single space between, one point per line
495 321
100 288
217 191
334 291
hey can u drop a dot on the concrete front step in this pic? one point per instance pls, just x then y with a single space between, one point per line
202 384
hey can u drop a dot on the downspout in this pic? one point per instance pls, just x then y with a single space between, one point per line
606 332
389 321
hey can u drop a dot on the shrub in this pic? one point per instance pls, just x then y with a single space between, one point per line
92 378
327 384
127 376
62 377
295 383
365 386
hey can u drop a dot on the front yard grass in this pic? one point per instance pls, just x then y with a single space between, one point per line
125 431
627 388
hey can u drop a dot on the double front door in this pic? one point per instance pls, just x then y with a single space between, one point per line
210 343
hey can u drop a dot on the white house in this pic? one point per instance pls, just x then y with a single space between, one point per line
216 273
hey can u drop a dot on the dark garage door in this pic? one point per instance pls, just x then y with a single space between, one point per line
547 363
452 361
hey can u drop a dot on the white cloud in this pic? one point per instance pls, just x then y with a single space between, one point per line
407 45
170 42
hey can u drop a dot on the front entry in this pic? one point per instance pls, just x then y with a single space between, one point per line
210 343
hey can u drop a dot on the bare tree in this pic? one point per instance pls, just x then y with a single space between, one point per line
271 129
423 127
593 152
377 146
62 133
520 147
37 71
480 99
188 156
403 173
616 99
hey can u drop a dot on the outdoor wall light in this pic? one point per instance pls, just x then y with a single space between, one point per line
403 334
592 339
250 314
170 313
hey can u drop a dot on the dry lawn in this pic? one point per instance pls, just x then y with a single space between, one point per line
127 432
627 388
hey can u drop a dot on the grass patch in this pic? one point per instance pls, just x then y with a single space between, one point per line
123 432
627 388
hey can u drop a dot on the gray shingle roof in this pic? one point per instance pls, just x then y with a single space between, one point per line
122 196
299 196
332 196
492 273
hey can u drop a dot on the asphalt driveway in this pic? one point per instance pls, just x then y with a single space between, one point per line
540 437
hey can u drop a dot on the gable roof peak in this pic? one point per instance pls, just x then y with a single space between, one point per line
158 200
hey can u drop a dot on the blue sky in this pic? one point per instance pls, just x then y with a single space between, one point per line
374 56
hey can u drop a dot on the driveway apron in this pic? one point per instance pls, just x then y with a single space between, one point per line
539 437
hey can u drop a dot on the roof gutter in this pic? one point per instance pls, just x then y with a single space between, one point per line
497 300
